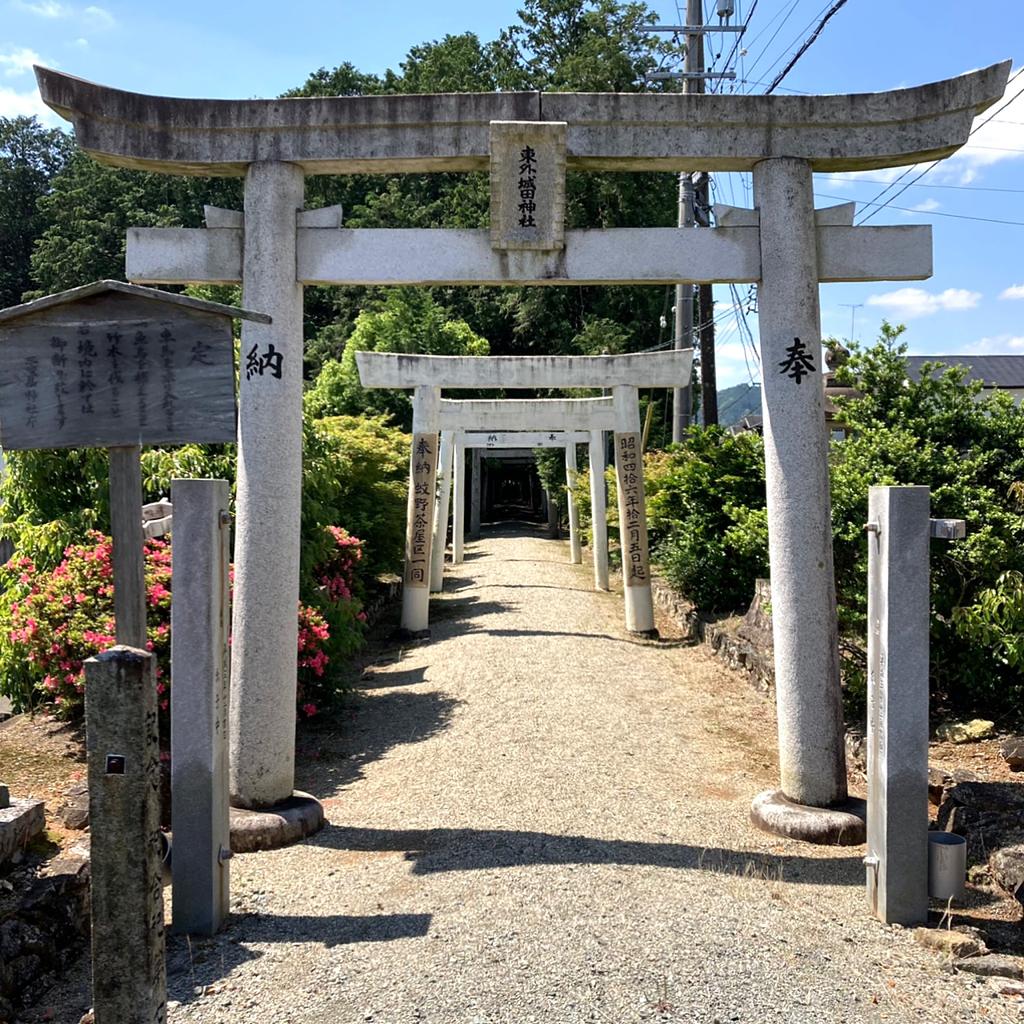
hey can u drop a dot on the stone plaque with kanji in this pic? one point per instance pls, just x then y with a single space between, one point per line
113 368
421 510
629 471
528 184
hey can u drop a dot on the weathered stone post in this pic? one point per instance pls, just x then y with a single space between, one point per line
571 469
444 474
474 495
129 976
264 650
811 752
426 415
898 607
200 612
459 511
598 513
629 471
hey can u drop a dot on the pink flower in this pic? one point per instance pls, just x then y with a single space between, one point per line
361 616
309 710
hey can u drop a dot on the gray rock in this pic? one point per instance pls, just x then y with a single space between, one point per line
994 965
945 940
74 812
1007 867
1012 750
937 782
19 825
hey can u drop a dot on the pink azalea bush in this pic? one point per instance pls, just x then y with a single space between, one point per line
52 621
58 619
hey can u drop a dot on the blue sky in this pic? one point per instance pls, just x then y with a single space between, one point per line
973 304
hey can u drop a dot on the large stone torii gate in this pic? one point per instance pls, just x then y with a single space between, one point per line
274 248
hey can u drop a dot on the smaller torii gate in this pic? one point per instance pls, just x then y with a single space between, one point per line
501 442
624 374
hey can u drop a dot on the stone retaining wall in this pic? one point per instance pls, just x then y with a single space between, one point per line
43 930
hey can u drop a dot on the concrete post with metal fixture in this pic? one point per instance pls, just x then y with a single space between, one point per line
444 494
200 615
571 471
598 512
129 980
426 406
898 625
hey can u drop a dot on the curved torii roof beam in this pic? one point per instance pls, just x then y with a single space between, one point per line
451 131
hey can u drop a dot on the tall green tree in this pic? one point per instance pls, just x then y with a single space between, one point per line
30 157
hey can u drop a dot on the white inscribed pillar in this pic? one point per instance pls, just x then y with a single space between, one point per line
812 757
426 416
264 651
444 493
629 470
571 469
598 513
459 511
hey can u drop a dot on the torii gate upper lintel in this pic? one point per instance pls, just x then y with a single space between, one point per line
275 249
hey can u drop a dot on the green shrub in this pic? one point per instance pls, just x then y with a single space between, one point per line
706 516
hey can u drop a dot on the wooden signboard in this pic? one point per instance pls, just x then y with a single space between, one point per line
112 365
113 369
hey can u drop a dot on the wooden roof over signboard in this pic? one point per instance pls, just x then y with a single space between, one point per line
88 291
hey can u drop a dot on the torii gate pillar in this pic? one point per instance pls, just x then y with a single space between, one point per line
266 599
808 696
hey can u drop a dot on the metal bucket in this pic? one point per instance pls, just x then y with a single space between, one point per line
947 866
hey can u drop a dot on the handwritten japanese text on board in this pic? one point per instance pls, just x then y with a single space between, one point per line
421 510
83 378
629 473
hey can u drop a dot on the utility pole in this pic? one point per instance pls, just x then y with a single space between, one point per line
693 206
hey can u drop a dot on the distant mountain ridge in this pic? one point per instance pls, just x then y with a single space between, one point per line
738 401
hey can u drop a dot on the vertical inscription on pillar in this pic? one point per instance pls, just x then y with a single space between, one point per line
424 477
528 185
629 474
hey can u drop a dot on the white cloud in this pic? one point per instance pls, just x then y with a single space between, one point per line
907 303
927 206
44 8
999 344
82 42
1015 291
28 104
19 61
99 17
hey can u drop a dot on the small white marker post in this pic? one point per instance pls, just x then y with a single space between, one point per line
898 621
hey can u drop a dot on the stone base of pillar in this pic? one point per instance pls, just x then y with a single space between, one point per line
645 634
410 634
843 825
273 827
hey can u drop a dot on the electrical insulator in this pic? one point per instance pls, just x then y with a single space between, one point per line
726 8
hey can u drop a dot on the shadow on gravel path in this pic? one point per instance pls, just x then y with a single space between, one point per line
444 849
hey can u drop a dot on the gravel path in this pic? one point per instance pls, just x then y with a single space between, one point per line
533 818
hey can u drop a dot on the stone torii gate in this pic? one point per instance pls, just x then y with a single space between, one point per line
274 248
456 421
514 443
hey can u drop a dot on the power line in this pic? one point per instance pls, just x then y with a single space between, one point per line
958 188
975 129
834 9
930 213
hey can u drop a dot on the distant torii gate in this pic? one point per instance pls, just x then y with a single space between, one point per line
274 247
502 442
433 416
